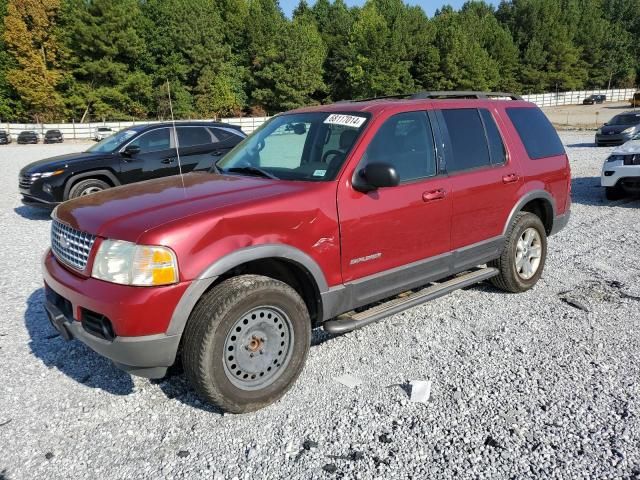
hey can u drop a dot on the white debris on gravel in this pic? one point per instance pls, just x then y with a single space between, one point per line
420 391
547 389
348 381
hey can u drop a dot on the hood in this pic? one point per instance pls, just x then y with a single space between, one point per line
126 212
60 161
632 147
615 128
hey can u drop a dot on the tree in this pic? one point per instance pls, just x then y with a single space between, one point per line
292 75
10 105
30 36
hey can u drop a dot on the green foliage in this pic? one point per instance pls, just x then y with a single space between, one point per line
94 59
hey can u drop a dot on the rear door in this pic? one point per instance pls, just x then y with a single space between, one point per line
157 156
484 177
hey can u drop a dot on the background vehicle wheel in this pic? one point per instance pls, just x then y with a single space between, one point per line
523 256
246 342
613 193
87 187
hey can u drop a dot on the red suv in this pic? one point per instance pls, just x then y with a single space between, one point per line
322 217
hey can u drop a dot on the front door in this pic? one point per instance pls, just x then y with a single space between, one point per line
391 236
157 157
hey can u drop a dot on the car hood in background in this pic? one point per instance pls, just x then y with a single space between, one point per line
59 162
614 129
630 148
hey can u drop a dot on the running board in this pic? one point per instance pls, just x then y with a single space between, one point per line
353 321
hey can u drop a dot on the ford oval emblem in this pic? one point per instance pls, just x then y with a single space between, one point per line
64 243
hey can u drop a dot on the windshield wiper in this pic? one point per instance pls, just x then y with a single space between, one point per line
257 171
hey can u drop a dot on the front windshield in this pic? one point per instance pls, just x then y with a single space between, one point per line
630 119
112 142
300 146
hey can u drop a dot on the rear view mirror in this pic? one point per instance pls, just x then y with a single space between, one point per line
374 176
299 128
131 150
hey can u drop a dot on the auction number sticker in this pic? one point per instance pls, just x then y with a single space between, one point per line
345 120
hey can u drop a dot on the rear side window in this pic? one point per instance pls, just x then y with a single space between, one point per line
194 136
538 135
496 147
468 140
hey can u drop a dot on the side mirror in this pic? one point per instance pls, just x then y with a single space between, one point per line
299 128
374 176
606 123
131 150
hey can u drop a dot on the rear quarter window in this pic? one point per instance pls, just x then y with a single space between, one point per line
539 137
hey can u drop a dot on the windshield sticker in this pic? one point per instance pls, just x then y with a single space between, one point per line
345 120
319 173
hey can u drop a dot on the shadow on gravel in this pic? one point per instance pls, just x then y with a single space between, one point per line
580 145
33 213
587 191
74 359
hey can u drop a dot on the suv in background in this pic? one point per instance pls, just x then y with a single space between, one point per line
5 137
53 136
28 136
131 155
621 171
592 99
102 132
335 216
620 129
635 100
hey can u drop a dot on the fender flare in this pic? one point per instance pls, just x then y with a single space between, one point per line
79 176
222 265
529 196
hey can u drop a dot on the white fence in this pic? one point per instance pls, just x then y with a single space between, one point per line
84 131
576 97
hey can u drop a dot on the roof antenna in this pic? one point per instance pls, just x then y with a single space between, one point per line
175 137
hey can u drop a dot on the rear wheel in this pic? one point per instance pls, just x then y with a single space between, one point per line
87 187
613 193
523 256
246 342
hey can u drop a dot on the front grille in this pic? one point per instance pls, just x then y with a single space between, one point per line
71 246
632 159
24 181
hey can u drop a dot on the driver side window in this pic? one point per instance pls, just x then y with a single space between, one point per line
404 141
153 141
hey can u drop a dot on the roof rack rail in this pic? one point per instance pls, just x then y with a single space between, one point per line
439 95
463 94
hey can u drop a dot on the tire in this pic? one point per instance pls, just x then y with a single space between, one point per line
510 278
613 193
87 187
240 379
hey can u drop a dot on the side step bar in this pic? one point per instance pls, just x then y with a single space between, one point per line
353 321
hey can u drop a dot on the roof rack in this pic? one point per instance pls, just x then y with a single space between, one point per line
440 95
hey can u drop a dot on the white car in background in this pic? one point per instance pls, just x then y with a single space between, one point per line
621 171
102 132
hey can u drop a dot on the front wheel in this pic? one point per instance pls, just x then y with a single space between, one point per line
523 256
613 193
87 187
246 342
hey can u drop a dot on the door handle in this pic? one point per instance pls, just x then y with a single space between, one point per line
217 153
510 178
168 160
434 195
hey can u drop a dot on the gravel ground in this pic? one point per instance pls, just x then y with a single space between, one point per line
542 384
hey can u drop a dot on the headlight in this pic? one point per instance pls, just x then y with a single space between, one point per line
614 158
629 130
35 176
129 264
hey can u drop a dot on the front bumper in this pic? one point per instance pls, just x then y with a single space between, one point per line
38 202
615 139
614 172
139 317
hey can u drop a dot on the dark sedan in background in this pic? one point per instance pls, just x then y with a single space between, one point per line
131 155
53 136
28 136
620 129
5 137
593 99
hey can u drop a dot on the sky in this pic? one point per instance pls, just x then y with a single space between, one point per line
429 6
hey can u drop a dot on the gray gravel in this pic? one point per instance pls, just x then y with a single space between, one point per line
542 384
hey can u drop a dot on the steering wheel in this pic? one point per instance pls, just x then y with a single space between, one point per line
330 152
